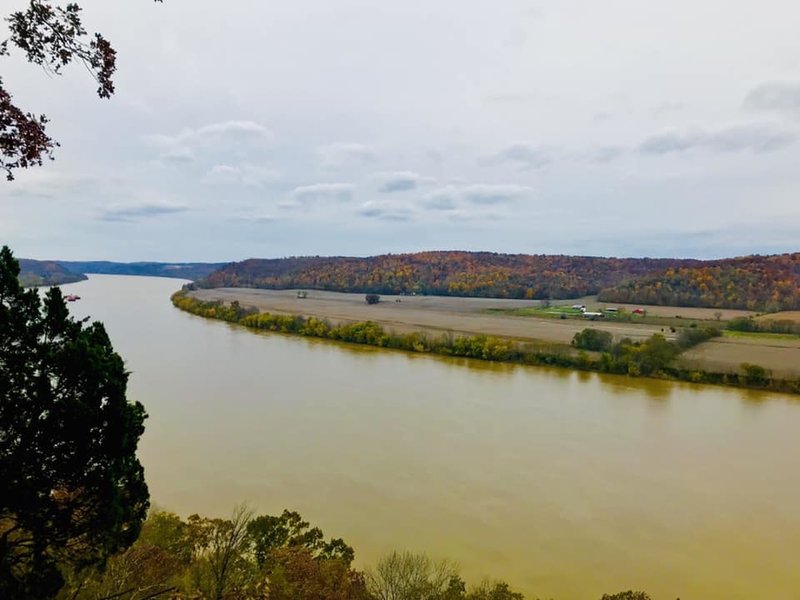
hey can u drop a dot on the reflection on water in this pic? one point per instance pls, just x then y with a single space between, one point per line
567 484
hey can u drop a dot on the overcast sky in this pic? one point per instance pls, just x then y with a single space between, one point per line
273 128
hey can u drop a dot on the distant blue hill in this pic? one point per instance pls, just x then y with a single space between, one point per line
191 271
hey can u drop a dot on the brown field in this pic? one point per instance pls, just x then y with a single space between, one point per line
788 315
467 316
433 314
781 356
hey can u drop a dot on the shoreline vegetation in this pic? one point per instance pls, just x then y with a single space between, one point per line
653 357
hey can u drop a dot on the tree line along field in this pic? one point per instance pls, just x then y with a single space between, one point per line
760 283
437 315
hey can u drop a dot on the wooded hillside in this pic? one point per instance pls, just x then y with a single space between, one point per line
766 283
45 272
444 273
754 282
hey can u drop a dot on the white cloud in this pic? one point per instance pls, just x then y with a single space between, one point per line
320 108
342 155
246 174
321 192
527 155
212 138
44 183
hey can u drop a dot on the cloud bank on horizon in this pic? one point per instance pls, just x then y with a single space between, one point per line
314 127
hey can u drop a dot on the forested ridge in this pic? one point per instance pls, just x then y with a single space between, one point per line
768 283
485 274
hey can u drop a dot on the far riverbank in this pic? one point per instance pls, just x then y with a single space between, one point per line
652 357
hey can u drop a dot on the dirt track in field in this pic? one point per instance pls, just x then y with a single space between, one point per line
466 316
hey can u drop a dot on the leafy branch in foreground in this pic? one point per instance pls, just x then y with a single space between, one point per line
51 37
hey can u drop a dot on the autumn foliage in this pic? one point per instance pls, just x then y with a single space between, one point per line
766 283
755 282
485 274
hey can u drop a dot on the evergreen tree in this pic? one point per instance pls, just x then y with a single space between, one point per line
72 491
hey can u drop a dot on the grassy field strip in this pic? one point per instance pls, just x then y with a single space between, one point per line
757 335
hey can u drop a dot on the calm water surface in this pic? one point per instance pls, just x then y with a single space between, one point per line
565 484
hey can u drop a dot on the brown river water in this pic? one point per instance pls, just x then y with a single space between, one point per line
565 484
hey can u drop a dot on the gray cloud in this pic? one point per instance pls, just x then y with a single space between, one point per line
137 212
452 197
738 138
384 211
494 194
526 155
775 97
400 181
320 192
443 199
341 155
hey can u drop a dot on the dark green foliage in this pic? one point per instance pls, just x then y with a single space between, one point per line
649 357
629 595
496 591
72 491
691 336
750 325
742 324
754 375
268 533
593 339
